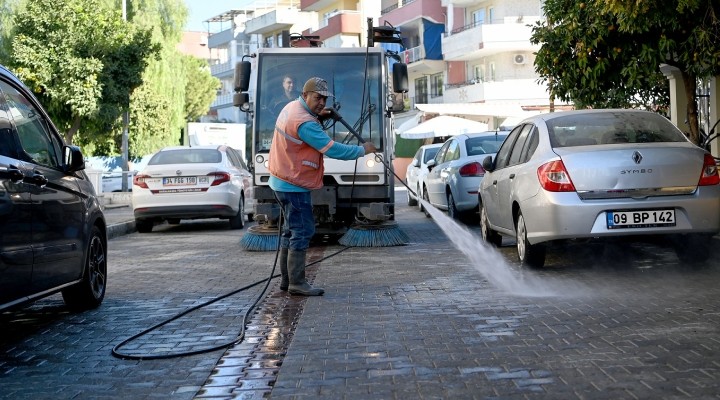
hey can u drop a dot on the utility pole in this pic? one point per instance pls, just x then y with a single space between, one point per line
126 122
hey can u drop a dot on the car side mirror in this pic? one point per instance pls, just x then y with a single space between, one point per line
73 159
431 164
416 163
488 164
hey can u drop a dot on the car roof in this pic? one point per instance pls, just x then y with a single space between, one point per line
558 114
430 146
212 147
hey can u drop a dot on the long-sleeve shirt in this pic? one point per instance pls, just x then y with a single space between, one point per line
313 135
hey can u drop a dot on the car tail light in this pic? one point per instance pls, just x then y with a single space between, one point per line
554 177
220 177
472 169
139 180
709 174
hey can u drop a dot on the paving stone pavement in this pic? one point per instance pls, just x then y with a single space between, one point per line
421 322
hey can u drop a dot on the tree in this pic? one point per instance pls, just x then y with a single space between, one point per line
607 53
200 89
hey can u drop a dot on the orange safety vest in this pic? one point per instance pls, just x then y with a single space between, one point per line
291 159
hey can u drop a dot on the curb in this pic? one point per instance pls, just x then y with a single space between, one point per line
120 229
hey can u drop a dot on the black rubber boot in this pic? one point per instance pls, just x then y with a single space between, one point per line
283 260
296 271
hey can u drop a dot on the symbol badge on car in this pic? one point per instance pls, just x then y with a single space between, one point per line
178 172
637 157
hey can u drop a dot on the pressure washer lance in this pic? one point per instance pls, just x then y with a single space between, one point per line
335 115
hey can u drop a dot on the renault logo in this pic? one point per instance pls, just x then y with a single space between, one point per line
637 157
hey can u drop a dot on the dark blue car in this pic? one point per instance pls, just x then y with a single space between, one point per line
52 229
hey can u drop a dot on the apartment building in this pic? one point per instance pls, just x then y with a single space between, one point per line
471 58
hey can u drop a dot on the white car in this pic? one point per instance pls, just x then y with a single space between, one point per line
456 171
183 182
416 170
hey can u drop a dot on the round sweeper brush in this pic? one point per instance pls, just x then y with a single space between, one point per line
260 238
383 234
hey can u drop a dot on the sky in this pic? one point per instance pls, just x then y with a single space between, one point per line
201 10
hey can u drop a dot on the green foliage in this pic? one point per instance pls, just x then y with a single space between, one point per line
200 88
607 53
82 61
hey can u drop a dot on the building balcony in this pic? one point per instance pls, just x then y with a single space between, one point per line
404 11
222 101
342 22
222 69
418 64
273 21
521 91
476 41
316 5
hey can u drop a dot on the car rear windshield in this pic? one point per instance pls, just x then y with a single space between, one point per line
477 146
612 127
189 156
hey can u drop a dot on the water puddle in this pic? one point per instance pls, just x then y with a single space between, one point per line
487 260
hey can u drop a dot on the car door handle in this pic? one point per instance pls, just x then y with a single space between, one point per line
36 179
11 172
512 176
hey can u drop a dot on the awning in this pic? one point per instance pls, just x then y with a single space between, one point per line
442 126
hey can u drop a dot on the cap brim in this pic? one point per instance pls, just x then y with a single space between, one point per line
324 93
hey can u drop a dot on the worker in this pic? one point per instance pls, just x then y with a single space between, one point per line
296 167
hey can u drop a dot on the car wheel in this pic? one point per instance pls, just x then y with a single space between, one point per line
238 221
452 210
144 225
530 255
90 292
488 235
174 221
426 197
411 201
693 248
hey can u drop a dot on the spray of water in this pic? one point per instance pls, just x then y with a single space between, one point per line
488 260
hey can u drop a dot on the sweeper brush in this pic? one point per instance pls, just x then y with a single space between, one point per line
260 238
385 234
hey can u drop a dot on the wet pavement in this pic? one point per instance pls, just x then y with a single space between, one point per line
420 322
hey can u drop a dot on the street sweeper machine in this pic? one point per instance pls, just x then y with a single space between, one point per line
357 195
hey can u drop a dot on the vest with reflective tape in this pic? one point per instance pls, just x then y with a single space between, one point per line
291 159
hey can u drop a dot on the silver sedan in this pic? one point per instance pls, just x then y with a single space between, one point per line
455 173
588 174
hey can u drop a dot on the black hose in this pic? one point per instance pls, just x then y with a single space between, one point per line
241 335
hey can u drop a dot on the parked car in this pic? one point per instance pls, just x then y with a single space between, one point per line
598 174
52 234
192 183
416 170
113 171
454 174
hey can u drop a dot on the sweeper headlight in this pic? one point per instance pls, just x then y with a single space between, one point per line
259 159
370 163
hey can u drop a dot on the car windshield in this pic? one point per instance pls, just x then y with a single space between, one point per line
186 156
611 127
430 154
480 145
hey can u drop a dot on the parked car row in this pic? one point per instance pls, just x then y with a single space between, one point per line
447 175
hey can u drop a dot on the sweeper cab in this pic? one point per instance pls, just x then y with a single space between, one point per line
364 81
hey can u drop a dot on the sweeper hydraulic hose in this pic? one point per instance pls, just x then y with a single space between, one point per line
335 115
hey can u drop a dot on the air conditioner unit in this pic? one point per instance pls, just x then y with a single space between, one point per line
519 59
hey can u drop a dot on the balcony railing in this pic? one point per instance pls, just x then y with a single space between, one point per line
400 3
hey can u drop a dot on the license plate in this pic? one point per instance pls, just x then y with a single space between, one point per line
180 180
640 219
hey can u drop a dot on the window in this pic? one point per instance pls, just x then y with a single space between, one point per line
478 17
36 139
491 76
491 15
421 94
436 85
478 73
